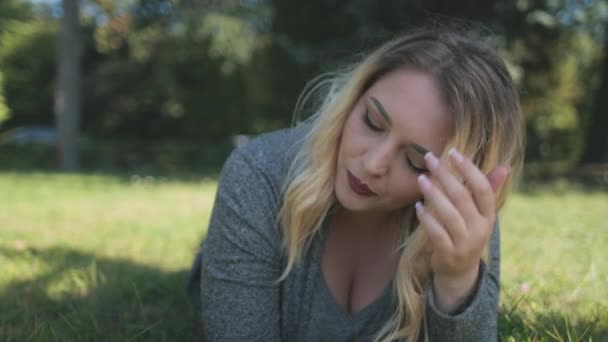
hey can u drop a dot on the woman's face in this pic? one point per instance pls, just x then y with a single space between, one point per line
381 150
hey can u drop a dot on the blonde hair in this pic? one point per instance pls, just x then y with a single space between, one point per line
486 126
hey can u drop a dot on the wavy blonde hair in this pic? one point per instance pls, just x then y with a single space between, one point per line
486 126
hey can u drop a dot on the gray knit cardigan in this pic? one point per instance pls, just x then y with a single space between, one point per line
232 281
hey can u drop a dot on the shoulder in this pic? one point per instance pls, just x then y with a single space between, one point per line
248 197
275 148
266 157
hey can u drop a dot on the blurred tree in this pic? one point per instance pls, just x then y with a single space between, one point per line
27 62
4 110
67 94
205 69
557 73
11 11
172 68
596 139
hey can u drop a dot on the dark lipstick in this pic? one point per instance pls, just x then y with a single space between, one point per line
358 186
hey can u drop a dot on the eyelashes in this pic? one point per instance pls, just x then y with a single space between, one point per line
414 168
368 122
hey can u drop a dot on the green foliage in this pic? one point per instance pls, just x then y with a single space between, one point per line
205 70
13 10
167 69
4 110
27 62
556 91
230 40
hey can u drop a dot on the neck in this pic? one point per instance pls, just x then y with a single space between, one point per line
366 221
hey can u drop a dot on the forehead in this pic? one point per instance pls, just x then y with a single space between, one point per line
415 106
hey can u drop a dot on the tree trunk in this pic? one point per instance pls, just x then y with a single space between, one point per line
67 94
596 137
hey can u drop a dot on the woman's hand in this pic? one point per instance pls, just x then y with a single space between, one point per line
459 226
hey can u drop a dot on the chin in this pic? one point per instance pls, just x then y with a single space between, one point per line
348 199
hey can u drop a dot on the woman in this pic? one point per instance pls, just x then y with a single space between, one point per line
373 221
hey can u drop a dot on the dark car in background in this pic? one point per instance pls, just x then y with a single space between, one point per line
42 135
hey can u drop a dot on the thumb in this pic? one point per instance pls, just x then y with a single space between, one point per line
498 176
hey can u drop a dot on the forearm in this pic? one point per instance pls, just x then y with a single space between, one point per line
452 293
475 319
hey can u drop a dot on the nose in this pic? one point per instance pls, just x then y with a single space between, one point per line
376 161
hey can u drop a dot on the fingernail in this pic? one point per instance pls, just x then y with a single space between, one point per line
455 155
419 207
431 160
424 182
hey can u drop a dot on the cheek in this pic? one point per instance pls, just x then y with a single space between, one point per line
350 136
405 188
356 137
352 126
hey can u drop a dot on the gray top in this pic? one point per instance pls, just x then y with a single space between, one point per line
330 321
233 276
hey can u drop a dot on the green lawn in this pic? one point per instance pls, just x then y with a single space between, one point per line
90 257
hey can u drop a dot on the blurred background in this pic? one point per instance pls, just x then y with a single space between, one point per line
116 116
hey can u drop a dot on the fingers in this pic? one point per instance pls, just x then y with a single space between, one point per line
437 234
497 177
479 184
457 192
447 214
463 203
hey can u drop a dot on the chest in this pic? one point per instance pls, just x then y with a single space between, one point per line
357 267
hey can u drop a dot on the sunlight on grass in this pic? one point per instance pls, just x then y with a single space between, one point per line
91 255
554 259
156 223
86 256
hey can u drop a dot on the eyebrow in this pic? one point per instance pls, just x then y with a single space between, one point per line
423 151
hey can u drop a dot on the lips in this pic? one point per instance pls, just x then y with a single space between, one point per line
359 187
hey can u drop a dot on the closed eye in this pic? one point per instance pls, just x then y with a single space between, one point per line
368 122
414 168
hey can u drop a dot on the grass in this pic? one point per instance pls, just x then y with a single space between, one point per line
98 257
555 266
102 257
